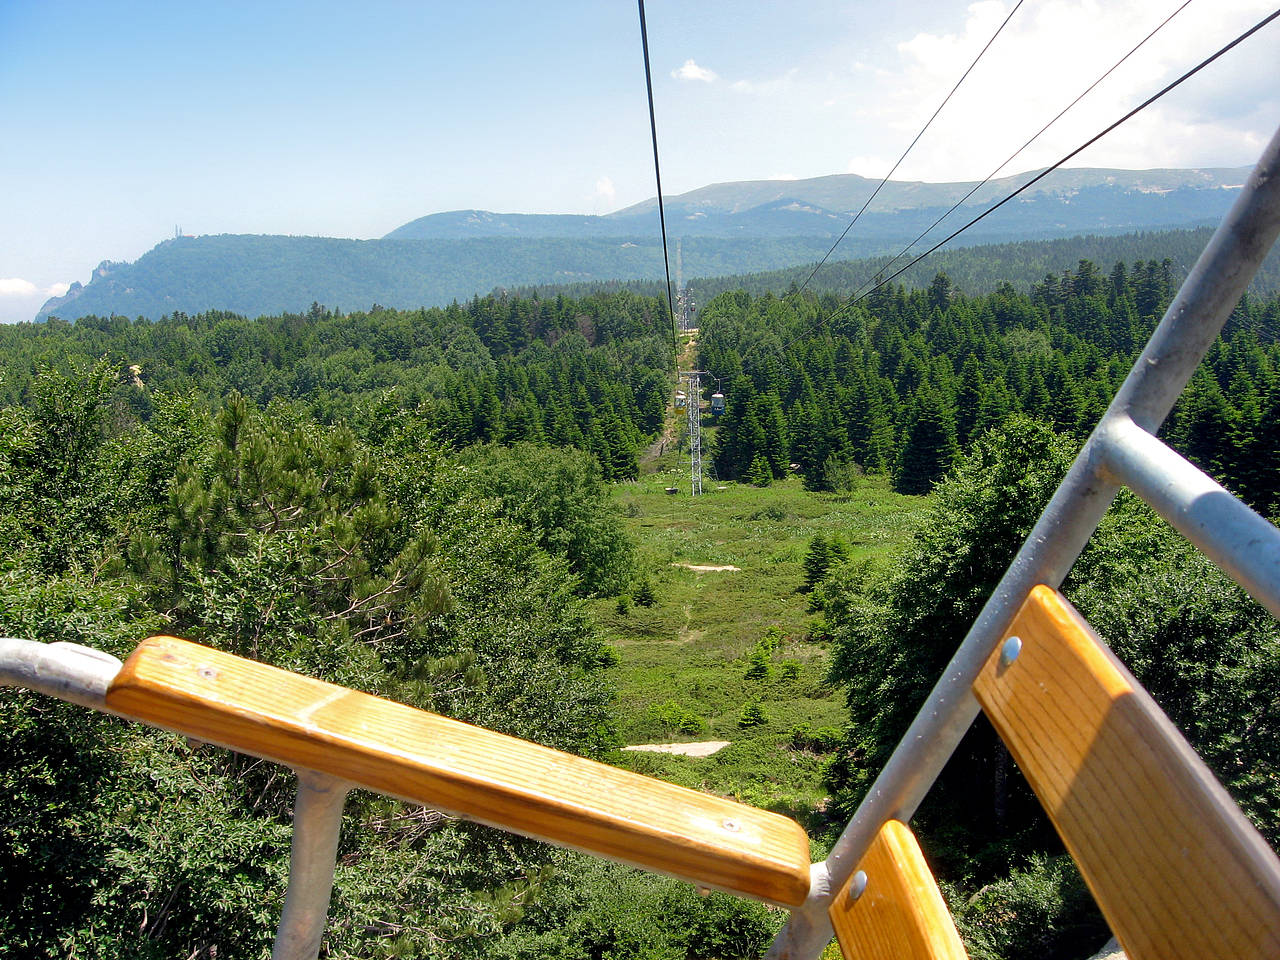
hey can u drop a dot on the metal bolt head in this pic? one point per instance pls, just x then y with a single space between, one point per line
857 885
1009 652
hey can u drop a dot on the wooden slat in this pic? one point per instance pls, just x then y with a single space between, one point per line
462 769
900 914
1173 863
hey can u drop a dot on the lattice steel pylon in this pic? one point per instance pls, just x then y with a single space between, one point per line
693 409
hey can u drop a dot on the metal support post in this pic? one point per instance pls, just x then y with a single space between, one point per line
317 820
1228 532
1190 325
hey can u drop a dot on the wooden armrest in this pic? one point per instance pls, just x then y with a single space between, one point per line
1173 863
462 769
897 911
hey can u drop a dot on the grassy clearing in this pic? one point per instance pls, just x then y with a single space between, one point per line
684 661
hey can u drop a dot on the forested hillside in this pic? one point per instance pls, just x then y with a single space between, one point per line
256 275
977 268
723 229
983 267
590 373
905 381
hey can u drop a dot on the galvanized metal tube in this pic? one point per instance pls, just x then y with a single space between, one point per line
317 820
67 671
1046 556
1230 534
1193 320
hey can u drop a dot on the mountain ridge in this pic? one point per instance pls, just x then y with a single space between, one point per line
721 229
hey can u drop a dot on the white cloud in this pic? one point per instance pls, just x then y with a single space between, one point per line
17 287
1050 53
871 167
606 191
20 299
691 71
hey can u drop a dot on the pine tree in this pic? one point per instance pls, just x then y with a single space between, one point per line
760 474
930 448
969 401
816 562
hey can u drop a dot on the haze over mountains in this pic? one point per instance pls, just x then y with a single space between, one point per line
727 228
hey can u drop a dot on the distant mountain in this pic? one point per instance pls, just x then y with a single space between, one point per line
845 193
727 228
262 275
1067 201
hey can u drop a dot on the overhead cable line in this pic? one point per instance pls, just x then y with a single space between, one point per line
1035 136
657 170
910 147
1048 170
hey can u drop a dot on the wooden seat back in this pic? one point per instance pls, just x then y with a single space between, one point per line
891 908
1174 865
462 769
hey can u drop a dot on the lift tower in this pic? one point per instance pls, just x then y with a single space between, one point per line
693 408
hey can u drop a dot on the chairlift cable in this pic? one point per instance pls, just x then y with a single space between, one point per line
987 179
1048 170
910 147
657 172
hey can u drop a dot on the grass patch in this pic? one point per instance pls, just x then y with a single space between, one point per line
690 654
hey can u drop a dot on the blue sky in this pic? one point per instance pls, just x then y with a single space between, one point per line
122 120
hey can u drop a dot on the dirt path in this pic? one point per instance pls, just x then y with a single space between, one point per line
674 420
707 567
703 748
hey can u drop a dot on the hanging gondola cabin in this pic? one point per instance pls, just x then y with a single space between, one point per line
680 399
717 404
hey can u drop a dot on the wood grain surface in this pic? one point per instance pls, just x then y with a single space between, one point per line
1173 863
901 914
463 770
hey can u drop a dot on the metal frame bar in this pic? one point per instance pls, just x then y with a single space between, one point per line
67 671
1229 533
1190 325
82 675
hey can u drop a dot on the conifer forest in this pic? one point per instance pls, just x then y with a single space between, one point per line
427 505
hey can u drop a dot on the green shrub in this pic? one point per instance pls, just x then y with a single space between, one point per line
760 474
837 475
676 717
758 667
789 671
821 740
816 562
772 639
1042 911
752 715
643 593
691 724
